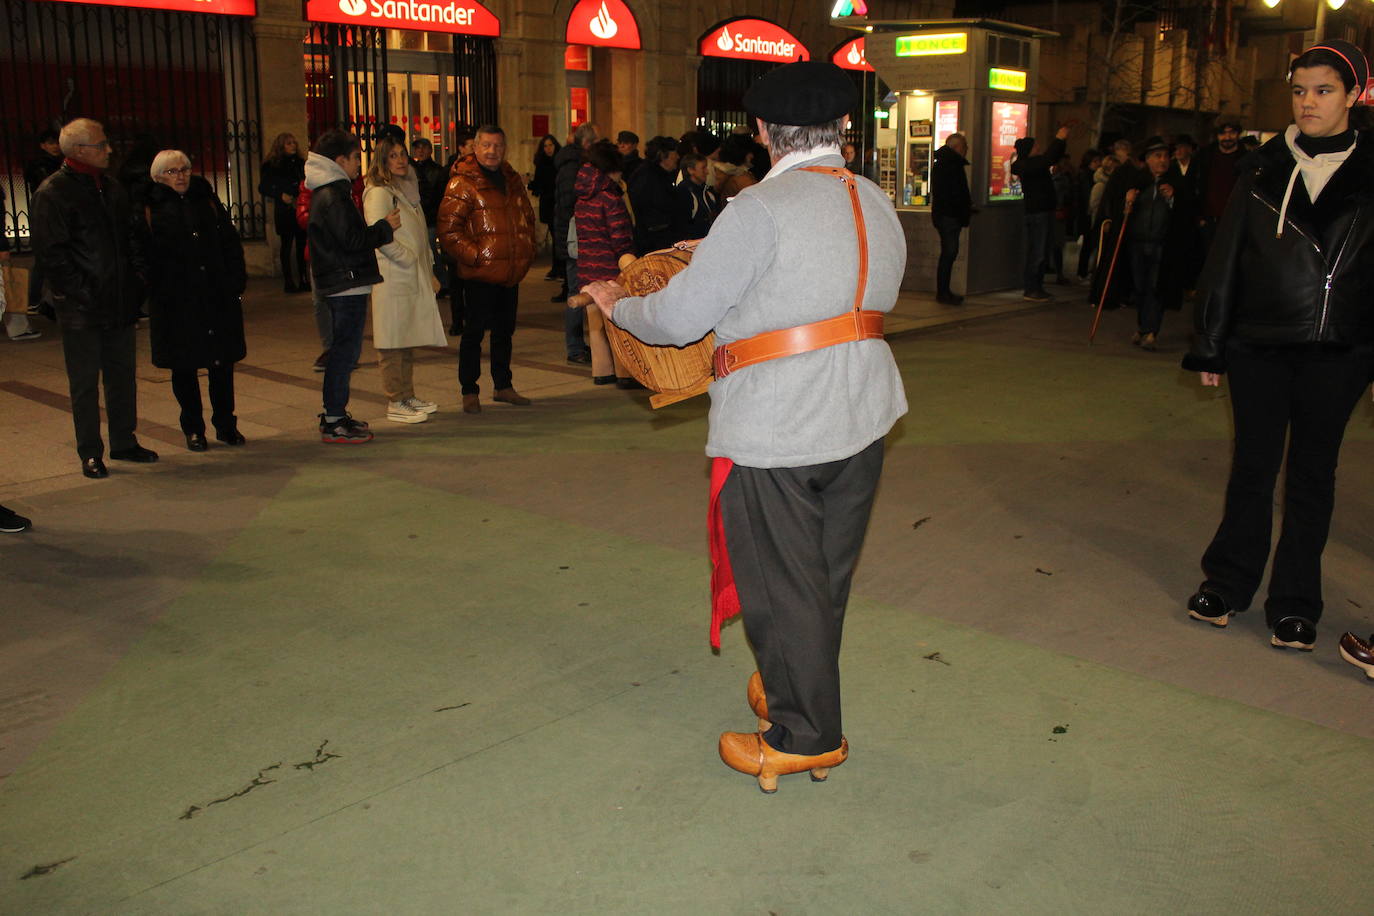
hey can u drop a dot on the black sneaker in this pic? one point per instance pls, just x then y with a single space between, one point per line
1209 608
12 522
1294 633
344 431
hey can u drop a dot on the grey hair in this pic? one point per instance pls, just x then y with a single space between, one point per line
76 132
791 138
585 135
166 160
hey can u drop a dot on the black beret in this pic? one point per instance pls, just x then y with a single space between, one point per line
801 94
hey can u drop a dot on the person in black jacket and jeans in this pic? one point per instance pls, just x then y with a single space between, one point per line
1037 193
83 233
343 262
950 209
1286 311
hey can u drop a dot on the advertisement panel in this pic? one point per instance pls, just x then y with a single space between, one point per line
603 23
851 55
1009 120
218 7
753 39
461 17
946 120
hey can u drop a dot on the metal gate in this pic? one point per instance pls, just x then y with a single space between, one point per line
474 66
156 80
345 80
721 84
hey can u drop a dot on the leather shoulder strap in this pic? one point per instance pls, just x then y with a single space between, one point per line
860 232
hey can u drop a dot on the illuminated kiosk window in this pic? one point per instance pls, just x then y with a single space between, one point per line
904 138
1007 80
1009 120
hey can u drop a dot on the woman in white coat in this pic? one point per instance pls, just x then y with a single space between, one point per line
405 314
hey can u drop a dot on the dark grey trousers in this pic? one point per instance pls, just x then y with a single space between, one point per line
96 358
794 535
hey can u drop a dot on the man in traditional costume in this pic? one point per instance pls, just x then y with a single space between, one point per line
793 277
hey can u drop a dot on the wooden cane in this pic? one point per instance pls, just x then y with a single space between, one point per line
1111 268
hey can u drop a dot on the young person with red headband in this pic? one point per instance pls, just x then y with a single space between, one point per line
1286 313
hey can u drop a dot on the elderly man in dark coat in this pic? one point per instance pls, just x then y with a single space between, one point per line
83 233
950 209
805 390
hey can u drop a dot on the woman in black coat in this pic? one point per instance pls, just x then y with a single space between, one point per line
196 275
1286 312
542 186
282 175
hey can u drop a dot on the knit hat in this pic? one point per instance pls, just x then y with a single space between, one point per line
1356 65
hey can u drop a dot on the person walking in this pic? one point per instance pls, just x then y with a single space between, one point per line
196 276
1284 313
951 207
83 234
282 174
405 313
343 261
1037 192
486 225
604 233
1149 233
798 418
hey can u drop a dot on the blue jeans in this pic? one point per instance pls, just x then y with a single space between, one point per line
573 339
1145 261
350 314
1038 226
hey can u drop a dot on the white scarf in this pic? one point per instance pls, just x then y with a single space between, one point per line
1316 171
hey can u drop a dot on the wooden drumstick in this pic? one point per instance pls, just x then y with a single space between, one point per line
582 300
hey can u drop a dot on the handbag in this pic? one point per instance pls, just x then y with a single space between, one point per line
14 296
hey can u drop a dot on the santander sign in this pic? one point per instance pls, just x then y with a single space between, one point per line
463 17
604 24
753 39
850 56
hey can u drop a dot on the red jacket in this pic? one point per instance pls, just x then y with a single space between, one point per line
303 206
604 232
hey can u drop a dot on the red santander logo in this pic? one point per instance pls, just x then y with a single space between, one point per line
753 39
603 23
462 17
850 56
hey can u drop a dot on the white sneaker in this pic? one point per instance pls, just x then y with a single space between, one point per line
401 412
417 404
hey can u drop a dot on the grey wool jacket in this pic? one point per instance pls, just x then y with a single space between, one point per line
784 253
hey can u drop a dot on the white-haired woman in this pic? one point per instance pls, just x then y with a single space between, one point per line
405 314
196 275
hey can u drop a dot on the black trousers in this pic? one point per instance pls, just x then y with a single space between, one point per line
1307 396
292 238
794 536
186 387
99 357
949 229
488 308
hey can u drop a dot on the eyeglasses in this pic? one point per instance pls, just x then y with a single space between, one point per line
179 170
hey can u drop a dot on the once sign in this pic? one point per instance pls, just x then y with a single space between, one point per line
753 39
462 17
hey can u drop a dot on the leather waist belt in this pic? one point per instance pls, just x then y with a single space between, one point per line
856 324
851 326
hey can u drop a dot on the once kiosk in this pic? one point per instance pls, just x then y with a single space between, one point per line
976 77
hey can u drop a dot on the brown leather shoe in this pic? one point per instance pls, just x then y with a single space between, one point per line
472 404
758 700
1359 652
748 753
510 396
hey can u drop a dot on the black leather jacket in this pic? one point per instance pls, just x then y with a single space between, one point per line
83 235
1313 285
343 248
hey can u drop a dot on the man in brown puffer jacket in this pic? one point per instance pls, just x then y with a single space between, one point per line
486 224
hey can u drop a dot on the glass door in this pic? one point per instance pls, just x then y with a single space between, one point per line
420 97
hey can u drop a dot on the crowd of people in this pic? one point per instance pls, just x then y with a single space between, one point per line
1278 243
